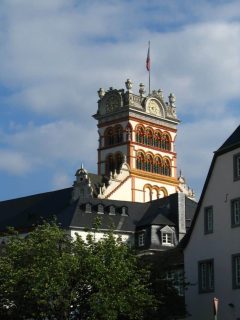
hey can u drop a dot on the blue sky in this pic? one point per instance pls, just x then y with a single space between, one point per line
55 55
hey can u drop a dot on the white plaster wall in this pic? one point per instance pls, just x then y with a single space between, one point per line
124 192
126 238
220 245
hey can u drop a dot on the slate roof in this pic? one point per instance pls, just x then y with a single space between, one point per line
24 213
231 143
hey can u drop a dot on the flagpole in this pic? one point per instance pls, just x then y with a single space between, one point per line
149 73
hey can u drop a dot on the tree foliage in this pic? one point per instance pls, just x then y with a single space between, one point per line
47 275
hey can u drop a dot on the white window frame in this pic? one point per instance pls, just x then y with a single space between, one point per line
167 238
208 219
88 208
206 276
100 209
235 212
141 239
236 166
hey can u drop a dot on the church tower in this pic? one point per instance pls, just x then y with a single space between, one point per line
136 144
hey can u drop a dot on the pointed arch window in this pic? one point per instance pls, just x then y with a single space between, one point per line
157 167
165 142
118 134
140 161
166 168
148 137
149 163
157 139
109 137
140 135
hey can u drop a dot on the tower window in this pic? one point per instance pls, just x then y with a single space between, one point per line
109 137
118 134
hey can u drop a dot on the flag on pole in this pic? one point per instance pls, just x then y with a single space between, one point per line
148 58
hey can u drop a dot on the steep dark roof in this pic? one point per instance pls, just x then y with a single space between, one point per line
231 143
23 213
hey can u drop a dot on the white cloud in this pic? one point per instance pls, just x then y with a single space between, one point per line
53 145
14 162
61 180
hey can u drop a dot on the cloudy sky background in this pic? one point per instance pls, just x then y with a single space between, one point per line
54 56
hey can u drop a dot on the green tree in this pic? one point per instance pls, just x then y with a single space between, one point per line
47 275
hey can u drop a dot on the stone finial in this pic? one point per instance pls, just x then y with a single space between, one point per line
128 84
172 99
101 93
141 89
160 93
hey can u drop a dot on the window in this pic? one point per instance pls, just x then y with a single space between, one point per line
100 209
236 271
141 239
206 276
167 238
111 210
124 211
236 166
208 220
88 208
235 212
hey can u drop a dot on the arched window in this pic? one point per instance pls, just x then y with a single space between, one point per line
148 138
157 139
118 134
109 164
165 143
149 163
140 161
166 168
109 137
118 161
157 166
147 194
140 134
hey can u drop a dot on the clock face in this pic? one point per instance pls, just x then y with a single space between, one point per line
153 108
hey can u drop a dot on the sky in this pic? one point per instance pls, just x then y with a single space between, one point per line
55 55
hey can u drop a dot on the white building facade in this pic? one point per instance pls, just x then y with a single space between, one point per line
212 248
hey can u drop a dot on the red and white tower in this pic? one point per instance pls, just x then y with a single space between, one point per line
136 144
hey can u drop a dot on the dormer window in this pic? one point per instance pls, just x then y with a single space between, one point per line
167 236
112 210
141 239
88 208
124 211
100 209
